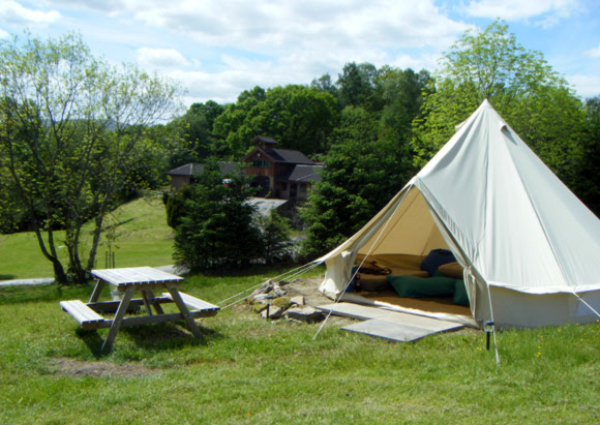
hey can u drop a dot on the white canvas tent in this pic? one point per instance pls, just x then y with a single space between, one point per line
529 248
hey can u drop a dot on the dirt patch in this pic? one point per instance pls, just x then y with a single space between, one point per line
308 288
77 368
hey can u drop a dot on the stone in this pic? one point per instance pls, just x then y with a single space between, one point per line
305 314
265 288
259 308
275 312
281 302
299 300
278 291
264 298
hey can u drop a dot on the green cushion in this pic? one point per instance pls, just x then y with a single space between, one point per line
460 293
417 287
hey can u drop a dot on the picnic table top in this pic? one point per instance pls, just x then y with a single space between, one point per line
135 276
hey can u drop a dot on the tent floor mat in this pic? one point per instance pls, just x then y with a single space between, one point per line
427 305
395 326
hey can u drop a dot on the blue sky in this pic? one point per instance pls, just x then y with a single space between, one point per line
218 48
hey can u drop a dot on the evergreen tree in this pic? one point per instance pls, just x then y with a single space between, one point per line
361 174
370 159
275 235
214 223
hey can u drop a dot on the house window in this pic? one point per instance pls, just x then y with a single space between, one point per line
283 186
302 188
260 163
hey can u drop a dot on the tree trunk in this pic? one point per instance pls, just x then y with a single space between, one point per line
95 241
59 271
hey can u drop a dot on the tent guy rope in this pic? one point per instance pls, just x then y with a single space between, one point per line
291 274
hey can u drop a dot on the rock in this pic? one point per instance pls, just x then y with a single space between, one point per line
281 302
299 300
259 308
264 298
305 314
278 291
265 288
275 312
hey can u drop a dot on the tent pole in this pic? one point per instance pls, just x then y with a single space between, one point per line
588 306
492 317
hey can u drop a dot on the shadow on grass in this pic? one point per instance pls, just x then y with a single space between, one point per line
7 276
42 293
160 336
92 340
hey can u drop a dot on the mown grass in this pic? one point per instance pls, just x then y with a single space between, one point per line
142 239
247 370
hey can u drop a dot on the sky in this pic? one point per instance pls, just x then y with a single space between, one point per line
218 48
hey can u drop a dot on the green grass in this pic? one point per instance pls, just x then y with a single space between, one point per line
247 370
142 239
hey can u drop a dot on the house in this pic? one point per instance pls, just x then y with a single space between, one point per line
282 173
185 174
279 173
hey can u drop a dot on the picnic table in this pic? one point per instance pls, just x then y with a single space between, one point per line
126 282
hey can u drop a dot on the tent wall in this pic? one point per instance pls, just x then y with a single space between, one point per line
513 309
411 230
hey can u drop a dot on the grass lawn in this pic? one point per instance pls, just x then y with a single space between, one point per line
247 370
142 239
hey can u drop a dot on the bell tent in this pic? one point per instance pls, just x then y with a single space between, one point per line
528 248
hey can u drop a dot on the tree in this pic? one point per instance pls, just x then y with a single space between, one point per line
356 86
73 135
325 84
587 185
214 228
370 159
520 85
297 117
275 236
196 137
235 126
361 174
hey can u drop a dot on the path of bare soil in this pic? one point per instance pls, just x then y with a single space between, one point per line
80 368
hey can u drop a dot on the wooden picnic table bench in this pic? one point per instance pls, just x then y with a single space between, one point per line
127 281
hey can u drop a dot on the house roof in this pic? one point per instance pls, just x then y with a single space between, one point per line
302 173
289 156
193 168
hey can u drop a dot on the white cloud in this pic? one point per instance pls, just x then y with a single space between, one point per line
586 85
4 34
278 27
549 12
161 58
240 44
111 6
13 13
269 26
292 42
593 53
